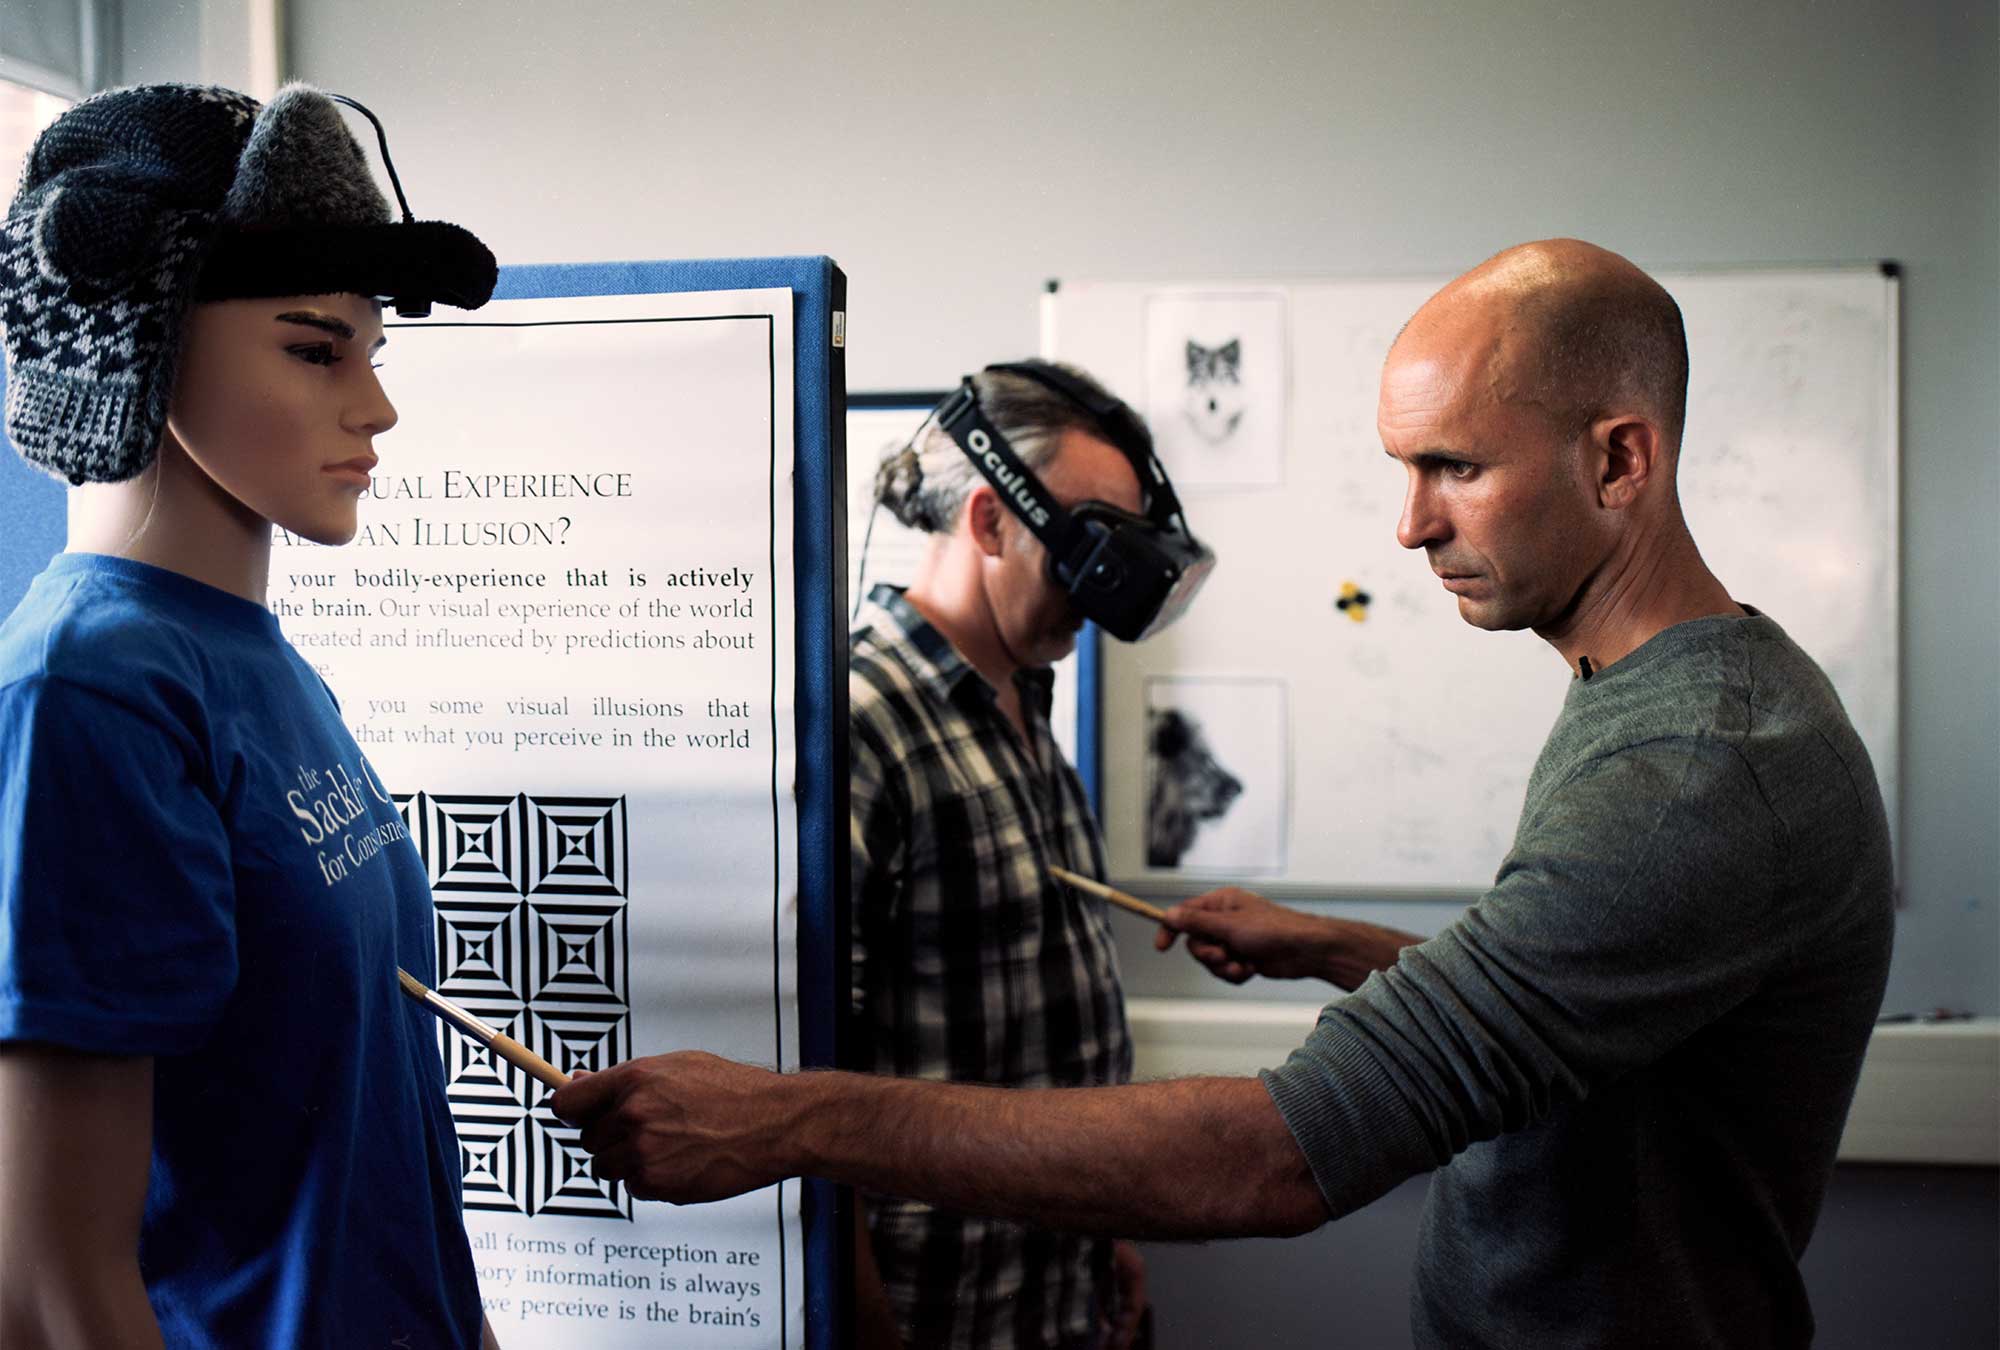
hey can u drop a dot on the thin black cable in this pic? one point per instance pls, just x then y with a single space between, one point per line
861 569
382 139
861 572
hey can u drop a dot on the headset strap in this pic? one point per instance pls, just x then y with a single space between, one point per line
1067 539
1127 432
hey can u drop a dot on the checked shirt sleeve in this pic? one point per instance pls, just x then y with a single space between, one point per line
876 825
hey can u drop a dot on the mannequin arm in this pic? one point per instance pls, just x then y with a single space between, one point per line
76 1141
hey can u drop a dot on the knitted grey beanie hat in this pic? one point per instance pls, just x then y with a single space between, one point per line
137 203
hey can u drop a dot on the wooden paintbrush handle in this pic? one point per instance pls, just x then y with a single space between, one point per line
1109 894
526 1060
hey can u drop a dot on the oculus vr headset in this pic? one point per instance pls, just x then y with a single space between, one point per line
1130 575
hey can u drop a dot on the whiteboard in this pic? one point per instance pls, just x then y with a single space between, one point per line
1411 733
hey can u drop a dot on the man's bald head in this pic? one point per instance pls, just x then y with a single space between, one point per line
1571 328
1536 403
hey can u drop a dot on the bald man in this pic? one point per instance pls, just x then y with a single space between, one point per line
1629 1062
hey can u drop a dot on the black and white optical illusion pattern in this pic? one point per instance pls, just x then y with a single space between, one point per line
532 939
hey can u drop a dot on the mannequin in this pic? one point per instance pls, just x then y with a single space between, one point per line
220 1123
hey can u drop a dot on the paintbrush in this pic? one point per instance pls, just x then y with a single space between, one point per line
1110 893
505 1046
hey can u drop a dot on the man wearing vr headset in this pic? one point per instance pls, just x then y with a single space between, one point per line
1044 506
1629 1062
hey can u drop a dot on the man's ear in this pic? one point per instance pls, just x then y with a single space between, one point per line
1629 452
984 520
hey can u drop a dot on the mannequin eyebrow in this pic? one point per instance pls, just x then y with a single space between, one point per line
326 323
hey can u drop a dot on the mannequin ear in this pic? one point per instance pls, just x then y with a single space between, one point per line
985 520
1629 452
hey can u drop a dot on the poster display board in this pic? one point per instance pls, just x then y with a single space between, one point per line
566 639
591 640
1408 736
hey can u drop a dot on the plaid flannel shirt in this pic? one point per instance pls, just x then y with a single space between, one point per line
972 964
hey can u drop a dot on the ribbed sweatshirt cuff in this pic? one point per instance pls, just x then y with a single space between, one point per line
1354 1125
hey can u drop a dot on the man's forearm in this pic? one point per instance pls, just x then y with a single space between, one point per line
1193 1158
1352 950
1238 934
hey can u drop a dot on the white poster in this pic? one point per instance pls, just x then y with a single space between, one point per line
564 639
1218 774
1215 387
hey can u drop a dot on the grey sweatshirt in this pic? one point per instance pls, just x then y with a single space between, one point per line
1632 1058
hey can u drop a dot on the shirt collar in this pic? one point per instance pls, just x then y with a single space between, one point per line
949 672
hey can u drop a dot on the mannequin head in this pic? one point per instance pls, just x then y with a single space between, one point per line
187 287
139 205
277 406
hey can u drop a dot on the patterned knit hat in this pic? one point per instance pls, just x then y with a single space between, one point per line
137 203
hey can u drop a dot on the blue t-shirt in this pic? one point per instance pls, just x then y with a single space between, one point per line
197 864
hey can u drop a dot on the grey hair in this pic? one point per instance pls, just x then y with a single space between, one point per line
925 481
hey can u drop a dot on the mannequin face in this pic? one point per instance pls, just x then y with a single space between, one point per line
278 406
1035 620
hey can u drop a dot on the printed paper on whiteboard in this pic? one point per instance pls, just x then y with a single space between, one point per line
564 639
1215 386
1218 761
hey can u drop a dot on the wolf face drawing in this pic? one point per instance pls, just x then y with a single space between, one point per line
1214 389
1188 786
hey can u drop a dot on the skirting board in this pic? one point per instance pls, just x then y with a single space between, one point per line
1929 1093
